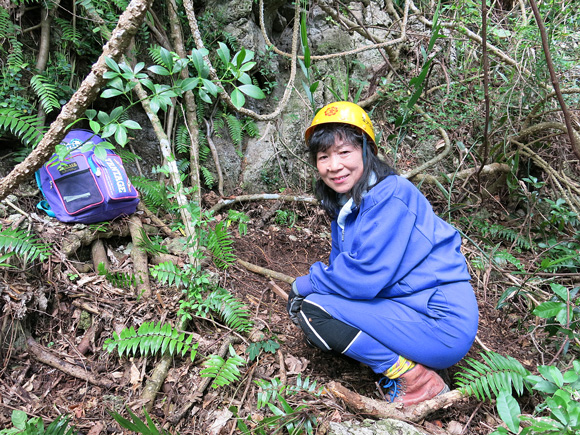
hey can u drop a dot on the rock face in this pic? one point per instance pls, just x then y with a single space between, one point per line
268 163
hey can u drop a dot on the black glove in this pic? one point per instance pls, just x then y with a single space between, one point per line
294 303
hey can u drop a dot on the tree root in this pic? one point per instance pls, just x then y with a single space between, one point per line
381 409
46 357
139 257
74 240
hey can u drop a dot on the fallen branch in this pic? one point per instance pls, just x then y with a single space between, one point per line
262 197
266 272
381 409
491 169
178 415
44 356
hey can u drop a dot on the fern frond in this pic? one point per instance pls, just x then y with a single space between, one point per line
203 147
25 127
168 273
235 128
68 31
220 244
505 256
251 128
153 193
118 279
6 26
47 93
15 60
155 53
18 242
223 371
233 312
151 339
485 380
182 140
208 178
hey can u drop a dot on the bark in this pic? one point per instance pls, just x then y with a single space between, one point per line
381 409
46 357
88 91
139 257
189 100
99 255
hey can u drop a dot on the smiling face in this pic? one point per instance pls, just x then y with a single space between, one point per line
340 166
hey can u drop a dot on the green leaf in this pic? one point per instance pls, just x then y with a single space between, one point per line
549 309
509 411
110 93
131 125
224 53
560 290
121 136
166 58
252 91
158 69
189 84
112 64
238 98
19 419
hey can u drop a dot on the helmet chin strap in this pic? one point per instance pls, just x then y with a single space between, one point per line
364 149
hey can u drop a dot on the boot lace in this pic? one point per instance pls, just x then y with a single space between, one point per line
392 387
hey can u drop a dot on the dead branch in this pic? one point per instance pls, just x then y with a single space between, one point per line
381 409
158 222
555 83
139 257
178 415
87 92
266 272
278 290
263 197
491 169
44 356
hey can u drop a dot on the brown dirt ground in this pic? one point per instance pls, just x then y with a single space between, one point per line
44 391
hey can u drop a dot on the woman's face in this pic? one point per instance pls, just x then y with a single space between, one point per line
340 166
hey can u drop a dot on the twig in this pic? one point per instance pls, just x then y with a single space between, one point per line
266 272
278 290
178 415
262 197
44 356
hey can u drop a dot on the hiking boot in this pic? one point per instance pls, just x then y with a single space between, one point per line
414 386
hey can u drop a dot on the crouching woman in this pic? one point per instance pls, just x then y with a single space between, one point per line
395 294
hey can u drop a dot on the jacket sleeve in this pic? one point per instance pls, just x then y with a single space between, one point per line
386 247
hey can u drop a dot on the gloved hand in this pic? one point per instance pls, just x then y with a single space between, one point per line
294 303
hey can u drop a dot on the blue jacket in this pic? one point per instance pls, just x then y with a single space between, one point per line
393 245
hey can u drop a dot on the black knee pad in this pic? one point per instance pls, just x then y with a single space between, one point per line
324 331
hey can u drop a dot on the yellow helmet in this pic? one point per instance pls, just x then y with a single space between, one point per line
345 113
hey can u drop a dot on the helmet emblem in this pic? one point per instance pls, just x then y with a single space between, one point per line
331 111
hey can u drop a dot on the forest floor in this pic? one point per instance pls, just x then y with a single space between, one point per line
75 303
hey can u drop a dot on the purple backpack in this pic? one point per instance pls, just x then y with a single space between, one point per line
83 188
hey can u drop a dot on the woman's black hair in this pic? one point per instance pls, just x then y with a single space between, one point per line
324 137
